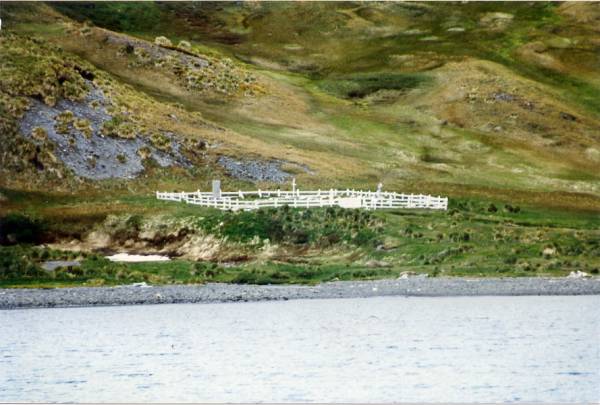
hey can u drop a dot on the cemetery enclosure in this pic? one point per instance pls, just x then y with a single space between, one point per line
251 200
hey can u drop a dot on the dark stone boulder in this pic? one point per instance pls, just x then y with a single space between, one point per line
567 116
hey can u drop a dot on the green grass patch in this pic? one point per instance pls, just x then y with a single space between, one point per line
317 227
362 85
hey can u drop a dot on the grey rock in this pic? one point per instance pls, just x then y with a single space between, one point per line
256 170
500 96
53 265
96 157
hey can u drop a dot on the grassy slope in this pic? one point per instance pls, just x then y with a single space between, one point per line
420 127
365 101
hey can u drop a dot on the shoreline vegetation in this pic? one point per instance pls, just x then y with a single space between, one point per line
474 238
141 293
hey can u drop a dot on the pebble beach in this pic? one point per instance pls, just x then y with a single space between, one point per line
138 294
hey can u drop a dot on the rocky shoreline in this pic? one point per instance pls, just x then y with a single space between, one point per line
138 294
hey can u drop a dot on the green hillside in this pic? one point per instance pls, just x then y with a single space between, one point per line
495 105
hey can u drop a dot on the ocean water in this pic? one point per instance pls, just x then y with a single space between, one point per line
389 349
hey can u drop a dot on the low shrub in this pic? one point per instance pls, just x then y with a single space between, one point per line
15 263
185 45
364 273
39 134
308 273
160 141
119 127
19 228
84 126
512 209
245 277
163 41
317 227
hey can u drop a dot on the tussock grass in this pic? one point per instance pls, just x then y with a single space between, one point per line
473 238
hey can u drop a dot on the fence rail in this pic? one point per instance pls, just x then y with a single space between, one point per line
252 200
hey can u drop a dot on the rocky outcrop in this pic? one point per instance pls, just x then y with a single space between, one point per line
258 170
194 71
74 131
181 238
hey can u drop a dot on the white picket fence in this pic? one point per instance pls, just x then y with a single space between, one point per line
252 200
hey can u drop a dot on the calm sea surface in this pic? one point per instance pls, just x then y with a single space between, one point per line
485 349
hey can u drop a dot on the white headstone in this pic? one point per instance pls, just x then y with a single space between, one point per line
216 188
350 202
